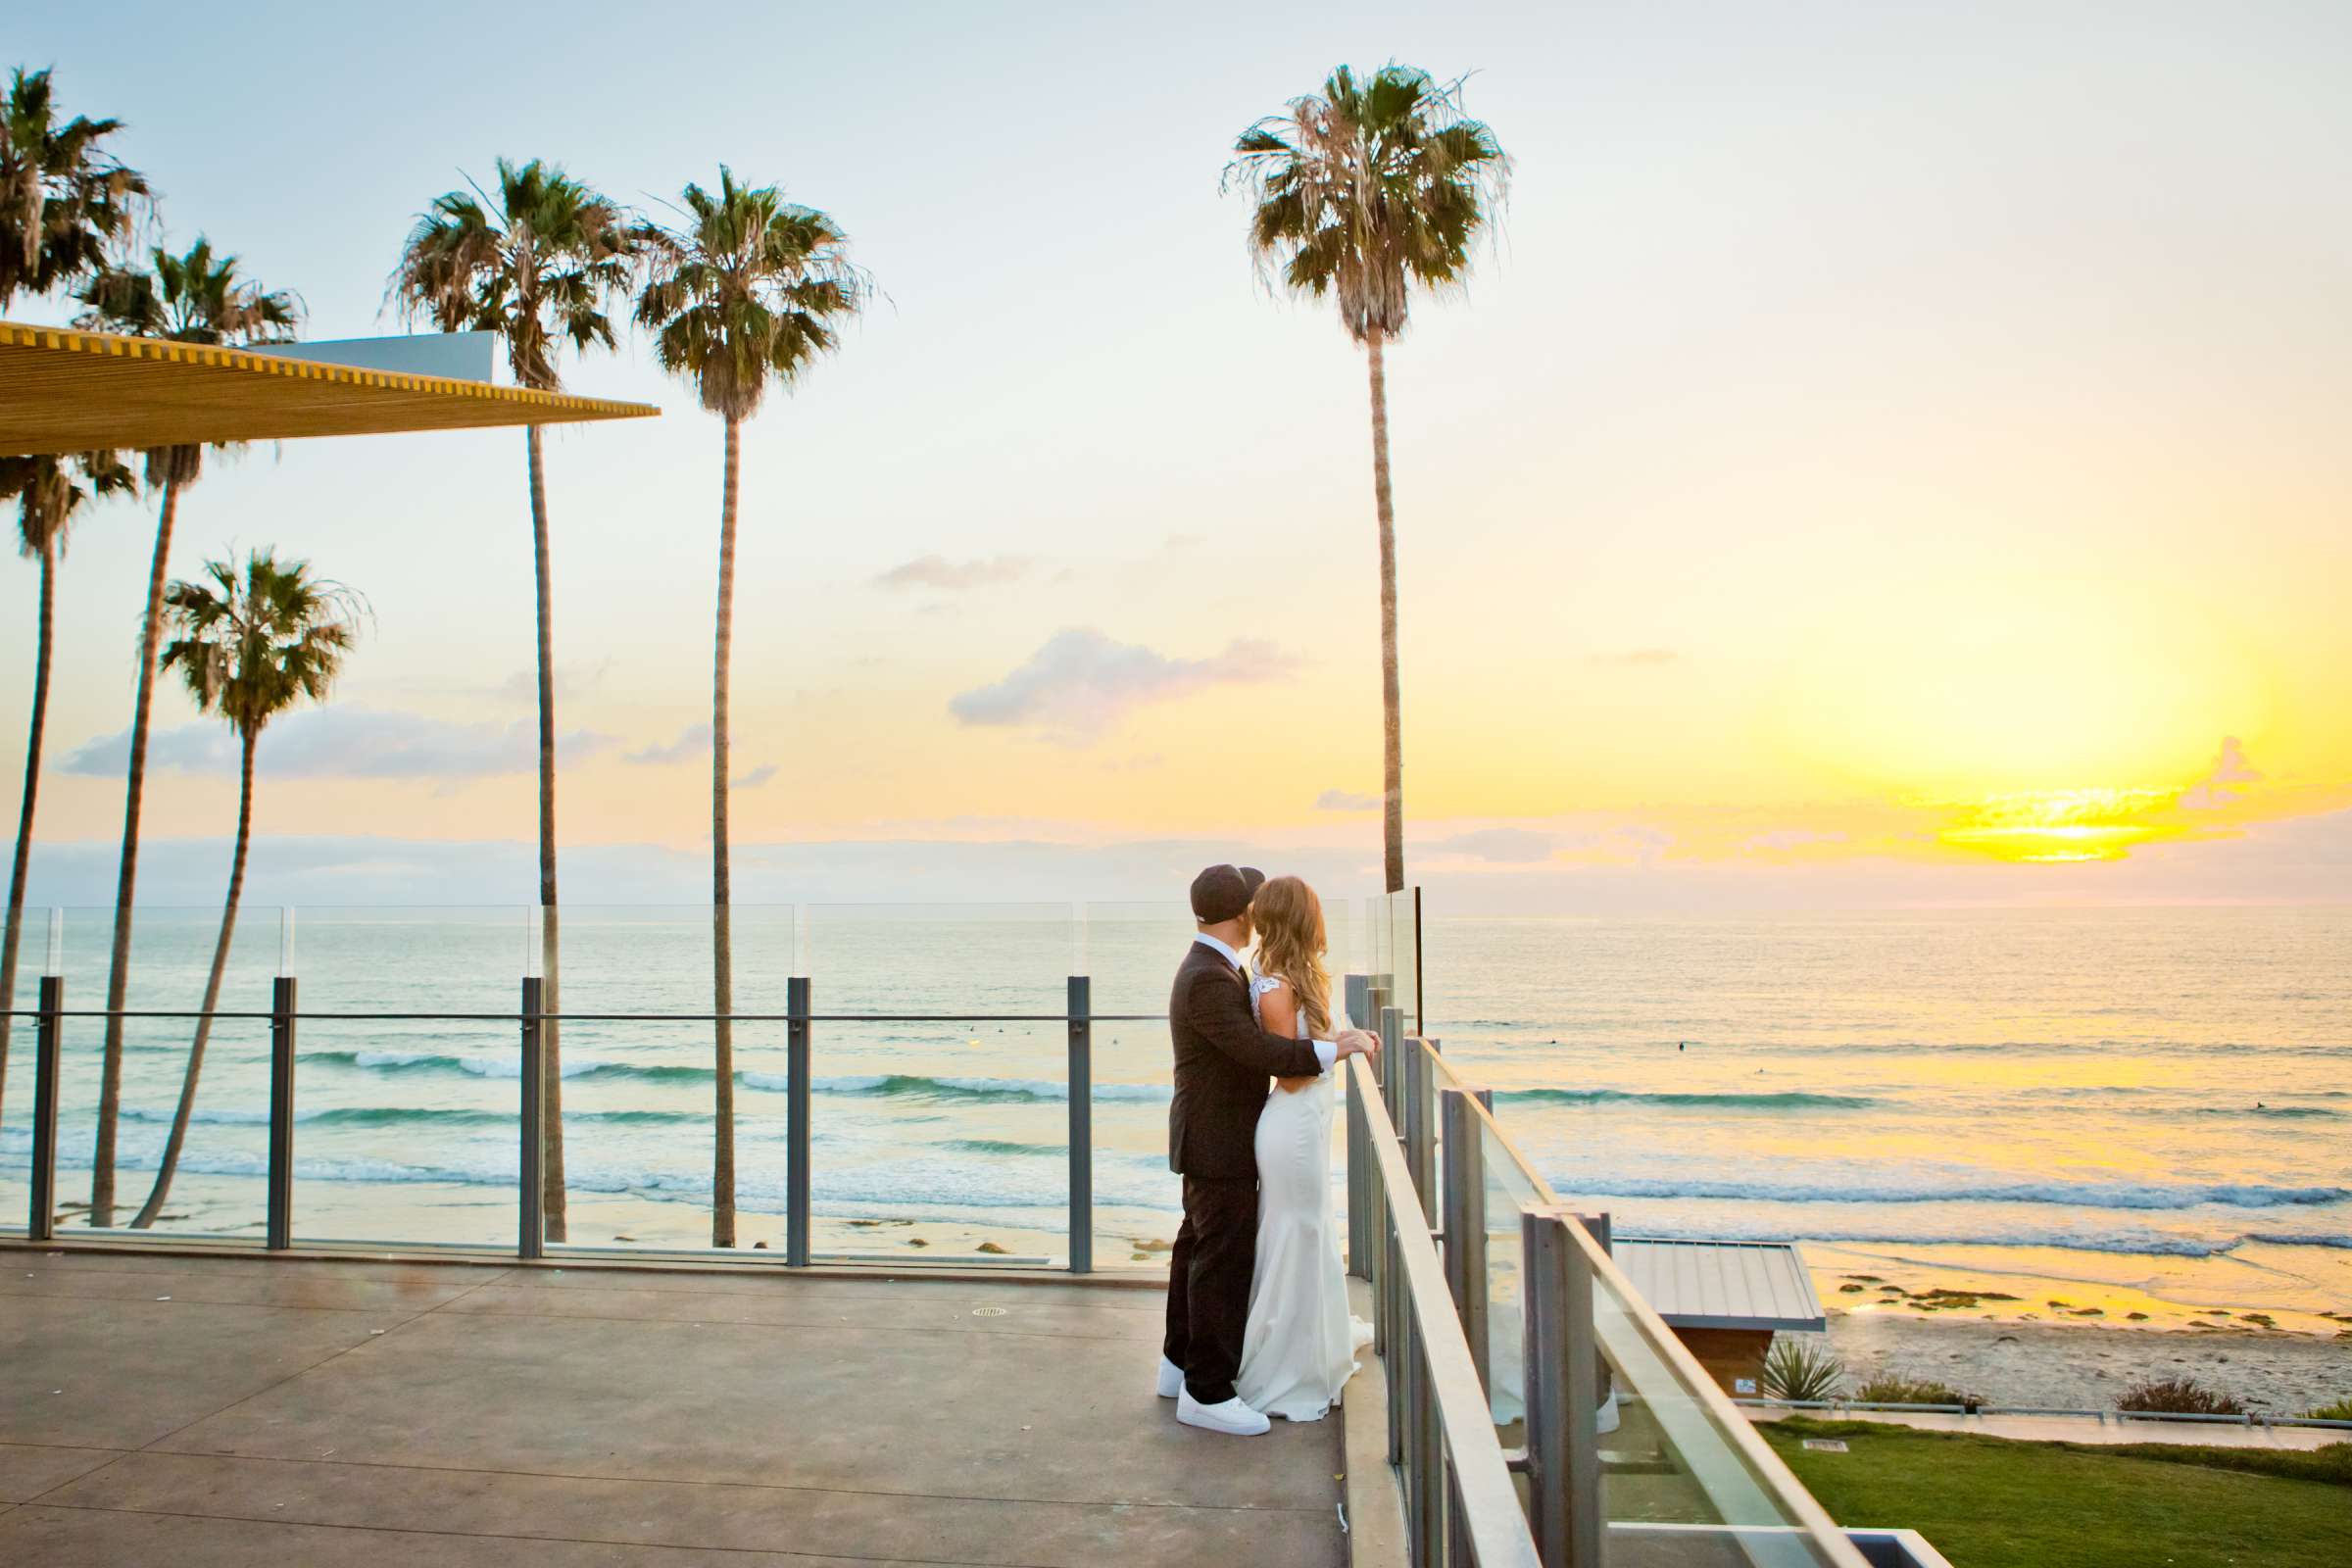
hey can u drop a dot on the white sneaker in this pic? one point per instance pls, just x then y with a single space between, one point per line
1233 1417
1171 1379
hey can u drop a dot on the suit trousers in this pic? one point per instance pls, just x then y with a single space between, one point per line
1208 1282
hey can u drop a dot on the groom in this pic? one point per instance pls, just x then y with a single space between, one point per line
1223 1061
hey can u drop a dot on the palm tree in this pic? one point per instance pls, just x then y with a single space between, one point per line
48 492
64 202
1361 194
744 292
194 298
536 265
249 650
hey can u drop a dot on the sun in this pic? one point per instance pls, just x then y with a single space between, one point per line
2063 825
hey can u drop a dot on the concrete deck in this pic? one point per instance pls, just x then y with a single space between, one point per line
204 1411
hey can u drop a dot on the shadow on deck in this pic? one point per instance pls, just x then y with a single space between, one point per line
204 1411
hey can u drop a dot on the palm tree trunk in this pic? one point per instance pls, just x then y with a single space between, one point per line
170 1165
552 1199
32 779
1392 723
117 974
722 936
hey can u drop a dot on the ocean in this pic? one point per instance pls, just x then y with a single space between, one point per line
2173 1082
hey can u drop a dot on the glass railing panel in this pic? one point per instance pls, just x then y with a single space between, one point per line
1508 1191
218 1187
1671 1457
942 1136
1131 953
635 1095
1404 956
17 1071
405 1127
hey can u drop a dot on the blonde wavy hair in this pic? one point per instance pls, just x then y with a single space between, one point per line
1291 943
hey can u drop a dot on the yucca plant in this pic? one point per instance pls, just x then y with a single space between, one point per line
1804 1370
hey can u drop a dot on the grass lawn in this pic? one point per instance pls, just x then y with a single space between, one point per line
1986 1503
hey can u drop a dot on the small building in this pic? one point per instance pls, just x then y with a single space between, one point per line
1725 1300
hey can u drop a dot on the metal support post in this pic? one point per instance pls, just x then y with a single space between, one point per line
1563 1392
795 1117
1359 1189
40 1223
531 1243
1428 1464
1082 1126
281 1228
1397 1309
1464 1223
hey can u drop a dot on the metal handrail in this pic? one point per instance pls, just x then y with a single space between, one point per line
558 1017
1781 1486
529 1019
1484 1499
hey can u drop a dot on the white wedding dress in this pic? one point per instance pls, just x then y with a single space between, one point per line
1300 1345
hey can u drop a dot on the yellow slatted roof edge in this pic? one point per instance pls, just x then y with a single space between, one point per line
76 341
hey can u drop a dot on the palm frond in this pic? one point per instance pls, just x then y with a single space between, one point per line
251 645
745 291
536 261
1379 184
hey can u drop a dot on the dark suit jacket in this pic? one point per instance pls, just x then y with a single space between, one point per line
1224 1062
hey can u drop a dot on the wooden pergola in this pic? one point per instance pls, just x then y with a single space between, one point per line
65 390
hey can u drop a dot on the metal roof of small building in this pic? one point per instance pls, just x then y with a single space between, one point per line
63 390
1723 1285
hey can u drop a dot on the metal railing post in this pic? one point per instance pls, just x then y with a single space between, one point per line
796 1115
1082 1126
1563 1392
1465 1222
1398 1310
1428 1464
1359 1174
40 1222
281 1228
531 1242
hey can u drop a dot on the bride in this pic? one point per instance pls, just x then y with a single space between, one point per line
1300 1345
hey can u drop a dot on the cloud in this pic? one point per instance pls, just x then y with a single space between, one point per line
2209 793
1785 839
1347 801
1504 846
346 743
956 576
1080 683
756 777
693 741
1638 657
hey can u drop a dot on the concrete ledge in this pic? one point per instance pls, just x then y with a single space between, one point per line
1375 1506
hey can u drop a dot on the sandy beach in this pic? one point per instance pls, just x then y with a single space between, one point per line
2046 1326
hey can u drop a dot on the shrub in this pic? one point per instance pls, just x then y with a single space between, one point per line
2179 1397
1890 1389
1803 1369
2340 1410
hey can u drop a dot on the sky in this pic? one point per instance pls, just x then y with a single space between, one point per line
1889 455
